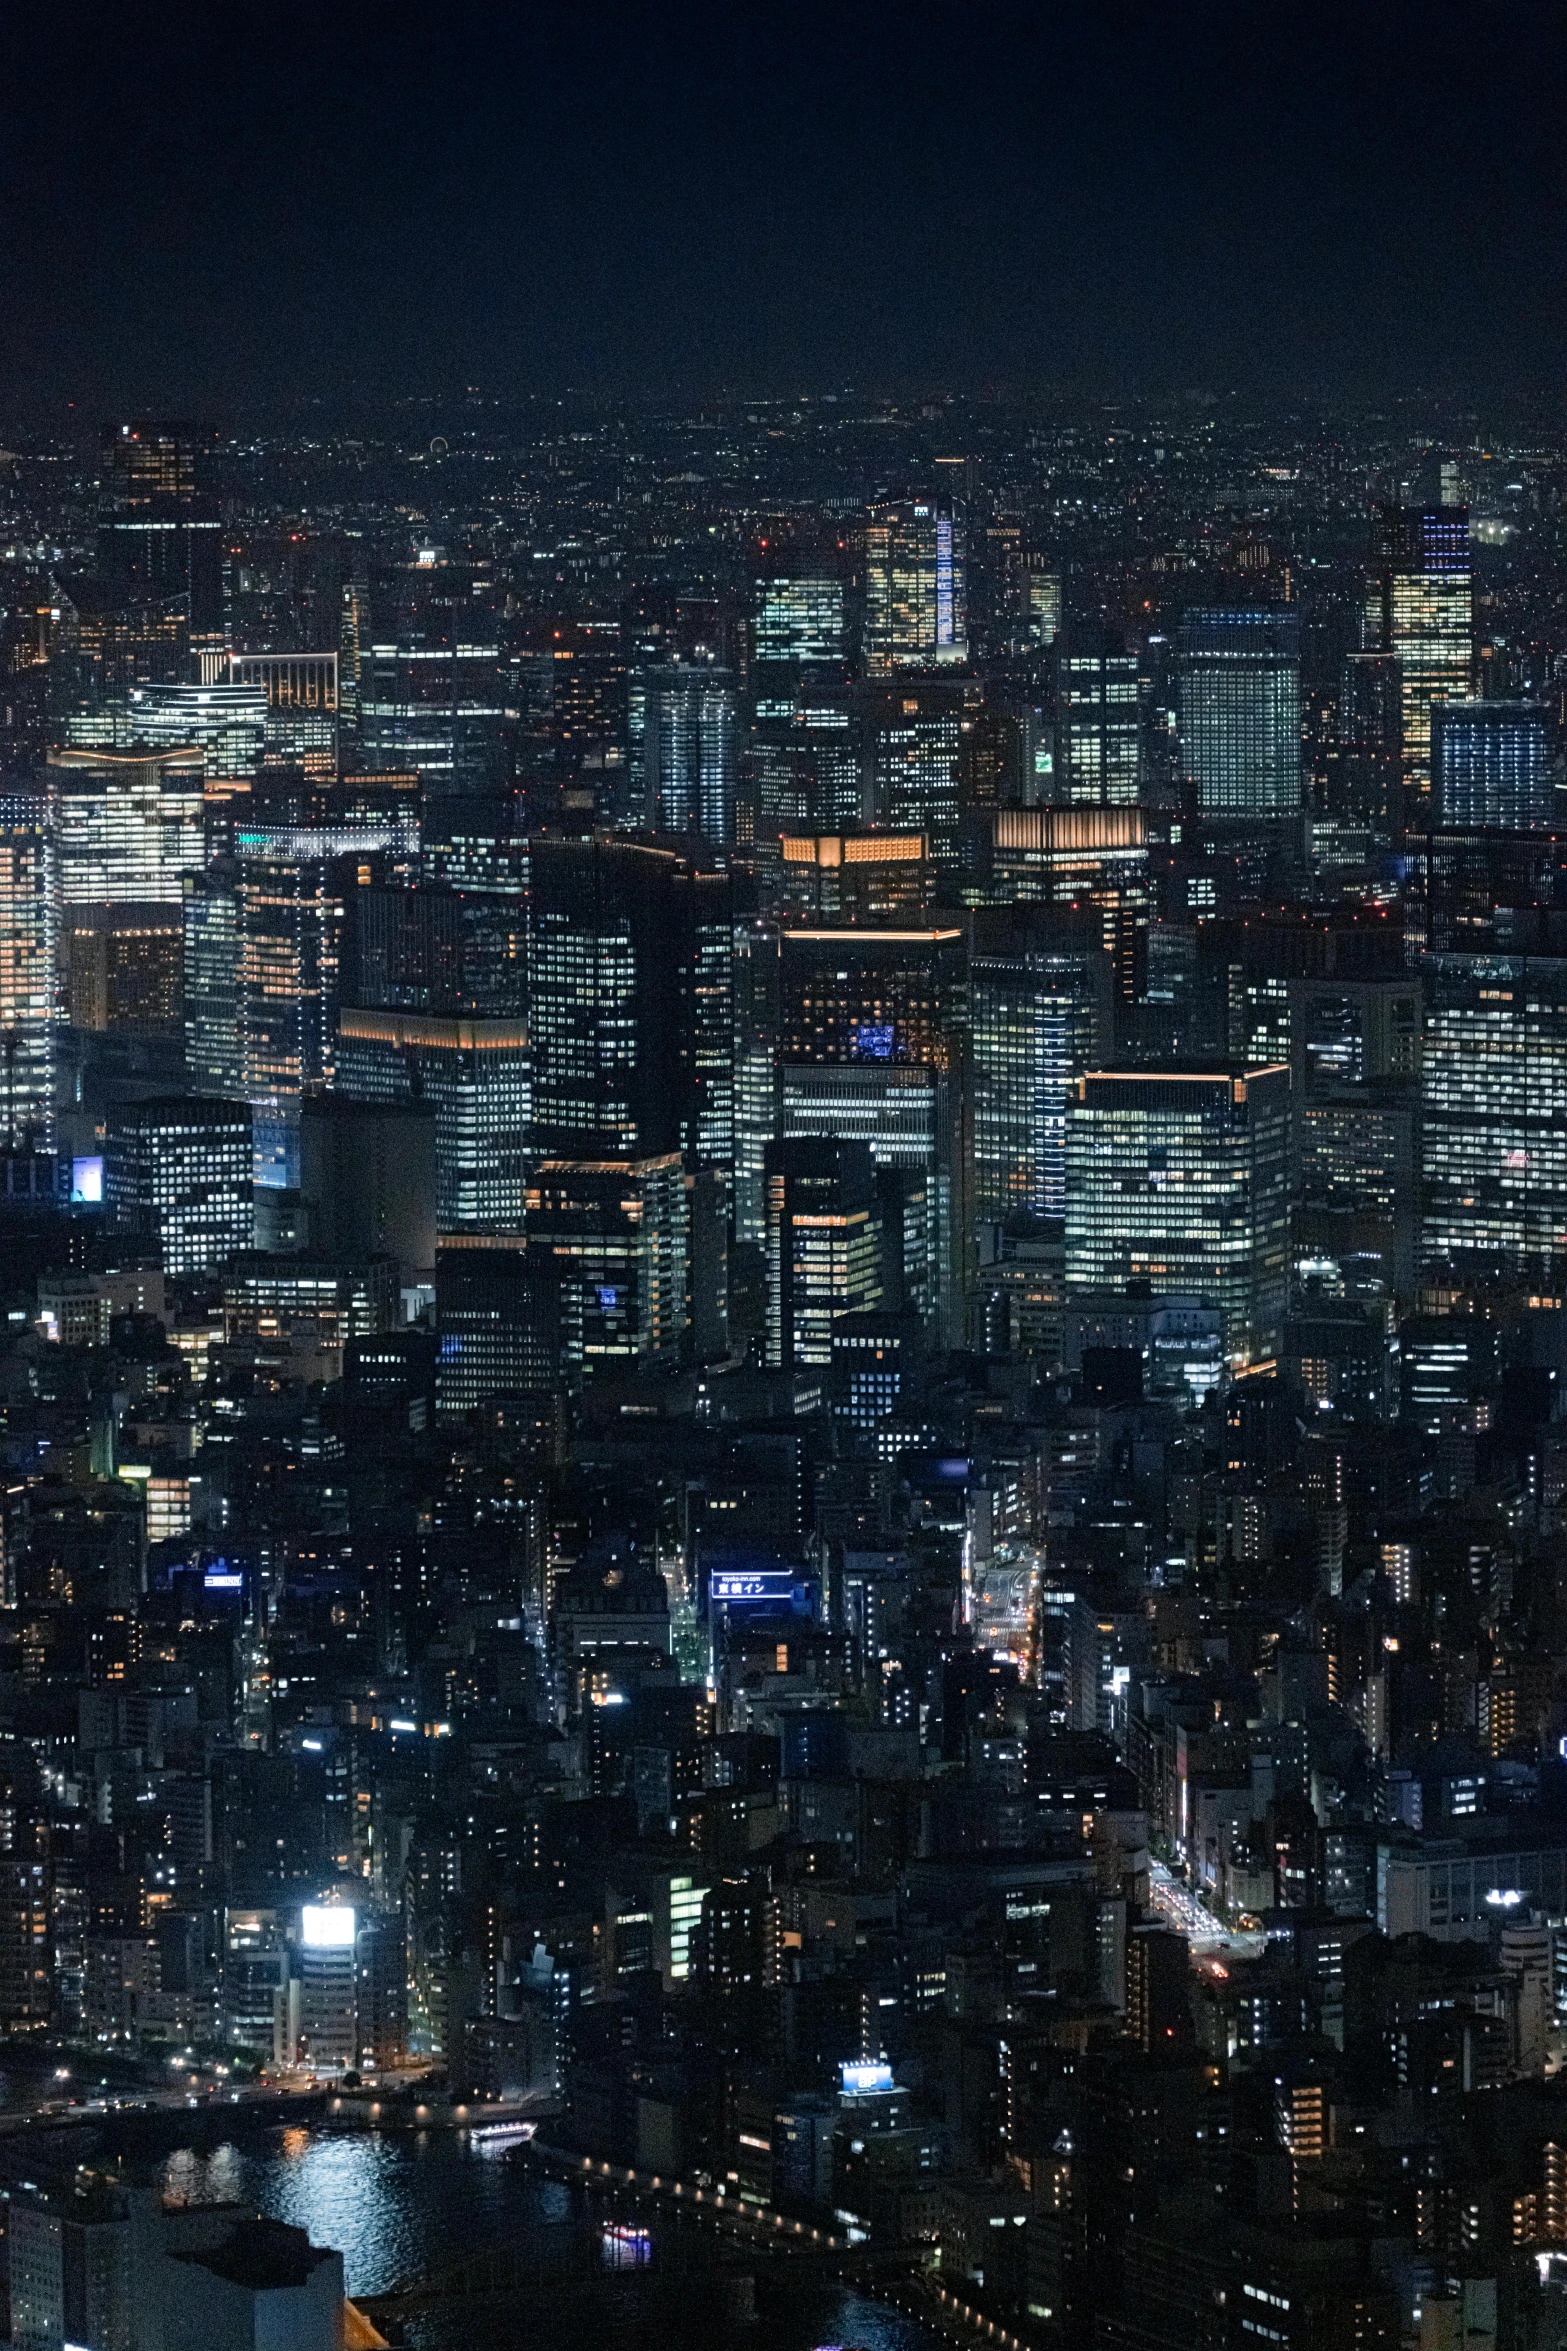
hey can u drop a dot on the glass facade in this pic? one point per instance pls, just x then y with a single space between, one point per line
1425 616
1494 1108
1183 1182
1491 765
1240 712
916 611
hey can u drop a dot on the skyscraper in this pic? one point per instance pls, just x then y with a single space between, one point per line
1039 1015
631 1006
1368 763
473 1073
1493 1079
691 751
1240 712
178 1174
824 1244
915 586
1491 765
918 734
1423 593
1099 721
131 824
161 534
29 1008
617 1229
1182 1182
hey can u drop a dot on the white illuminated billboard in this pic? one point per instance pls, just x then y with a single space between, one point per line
327 1926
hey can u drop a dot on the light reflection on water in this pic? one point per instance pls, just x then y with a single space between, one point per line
395 2205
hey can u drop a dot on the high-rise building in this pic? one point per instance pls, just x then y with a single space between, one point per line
1240 711
473 1073
631 1001
880 879
915 586
850 995
1368 753
1039 1015
1491 765
367 1178
1086 857
918 735
1423 595
1494 1072
29 1006
1182 1182
691 751
213 994
1099 728
824 1244
122 969
438 704
161 534
301 696
617 1230
805 756
912 1121
130 824
498 1315
228 721
178 1174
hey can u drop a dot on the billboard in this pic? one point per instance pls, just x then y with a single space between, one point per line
328 1926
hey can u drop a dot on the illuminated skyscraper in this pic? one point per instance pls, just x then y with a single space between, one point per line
179 1174
1368 763
1424 613
437 705
915 587
131 824
473 1073
1182 1182
214 1020
1039 1015
29 1009
691 751
804 746
618 1232
1098 752
1493 1089
1240 712
161 535
918 735
824 1244
1491 765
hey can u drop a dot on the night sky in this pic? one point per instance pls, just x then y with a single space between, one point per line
237 206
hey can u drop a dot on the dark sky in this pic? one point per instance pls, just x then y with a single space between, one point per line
231 206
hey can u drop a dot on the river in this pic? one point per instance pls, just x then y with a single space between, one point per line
397 2205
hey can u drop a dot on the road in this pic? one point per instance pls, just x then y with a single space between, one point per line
1208 1935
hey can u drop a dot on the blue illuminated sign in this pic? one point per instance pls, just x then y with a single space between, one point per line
873 1041
751 1583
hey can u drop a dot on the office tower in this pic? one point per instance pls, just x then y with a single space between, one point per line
1491 765
1040 1013
915 587
1182 1182
912 1121
228 722
161 535
130 824
301 694
498 1317
617 1230
367 1179
824 1244
804 750
472 1071
1368 761
1098 728
691 751
1043 583
211 971
847 995
879 879
917 735
1423 600
1240 712
799 625
631 1001
29 1007
435 702
291 916
177 1175
1089 857
123 968
1493 1154
576 670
